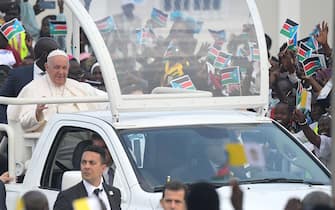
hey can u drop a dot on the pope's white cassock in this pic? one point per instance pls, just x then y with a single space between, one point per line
44 87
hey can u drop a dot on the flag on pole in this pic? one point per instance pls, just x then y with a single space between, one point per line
57 28
230 75
311 65
183 82
11 28
159 17
303 52
289 28
106 25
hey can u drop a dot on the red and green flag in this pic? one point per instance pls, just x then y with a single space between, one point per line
303 52
212 54
311 65
289 28
11 28
230 75
57 28
183 82
221 60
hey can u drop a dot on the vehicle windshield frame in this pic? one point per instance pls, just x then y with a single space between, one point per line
299 149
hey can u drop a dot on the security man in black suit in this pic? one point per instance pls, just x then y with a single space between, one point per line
93 164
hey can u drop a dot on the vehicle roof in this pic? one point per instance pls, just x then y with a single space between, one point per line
177 118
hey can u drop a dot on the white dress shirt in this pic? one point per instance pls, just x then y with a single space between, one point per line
37 72
102 195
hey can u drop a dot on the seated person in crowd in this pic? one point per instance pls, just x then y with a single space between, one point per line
53 84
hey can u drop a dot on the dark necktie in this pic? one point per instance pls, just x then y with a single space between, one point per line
96 192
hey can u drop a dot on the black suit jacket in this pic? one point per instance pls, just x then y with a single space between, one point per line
16 80
2 196
65 198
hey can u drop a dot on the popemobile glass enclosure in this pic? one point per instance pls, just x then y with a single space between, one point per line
176 53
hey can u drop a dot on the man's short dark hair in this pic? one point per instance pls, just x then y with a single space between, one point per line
35 200
202 195
96 149
96 136
175 186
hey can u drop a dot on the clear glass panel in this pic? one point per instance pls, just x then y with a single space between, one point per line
192 153
182 44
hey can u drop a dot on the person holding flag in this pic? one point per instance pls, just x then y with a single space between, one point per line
322 140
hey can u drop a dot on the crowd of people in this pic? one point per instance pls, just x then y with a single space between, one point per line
301 102
44 69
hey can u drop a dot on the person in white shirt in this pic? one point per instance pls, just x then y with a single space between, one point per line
322 141
53 84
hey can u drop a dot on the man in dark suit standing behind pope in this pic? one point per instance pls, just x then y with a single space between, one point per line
93 164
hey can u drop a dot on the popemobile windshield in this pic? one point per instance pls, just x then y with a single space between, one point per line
198 53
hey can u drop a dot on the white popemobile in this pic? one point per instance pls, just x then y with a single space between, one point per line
198 68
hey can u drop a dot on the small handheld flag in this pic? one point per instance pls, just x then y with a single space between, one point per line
57 28
106 24
159 17
183 82
311 65
289 28
222 60
11 28
303 52
230 75
212 54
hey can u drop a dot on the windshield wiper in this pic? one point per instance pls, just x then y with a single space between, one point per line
280 180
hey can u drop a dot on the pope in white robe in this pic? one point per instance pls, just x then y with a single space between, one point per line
53 84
